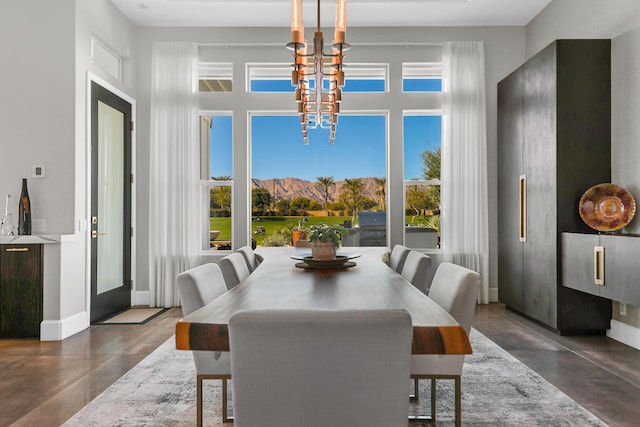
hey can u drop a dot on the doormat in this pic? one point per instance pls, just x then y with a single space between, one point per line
134 316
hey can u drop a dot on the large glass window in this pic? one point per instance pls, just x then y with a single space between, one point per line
296 185
216 172
422 142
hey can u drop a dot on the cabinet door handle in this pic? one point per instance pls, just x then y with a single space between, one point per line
598 265
17 250
522 190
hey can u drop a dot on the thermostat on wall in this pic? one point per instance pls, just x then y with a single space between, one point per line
38 172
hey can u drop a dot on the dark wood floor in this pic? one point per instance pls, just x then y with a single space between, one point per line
45 383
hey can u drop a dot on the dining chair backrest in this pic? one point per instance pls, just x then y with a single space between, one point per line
199 286
196 288
398 256
251 258
234 269
455 288
415 269
324 367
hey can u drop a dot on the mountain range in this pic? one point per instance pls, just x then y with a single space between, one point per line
290 188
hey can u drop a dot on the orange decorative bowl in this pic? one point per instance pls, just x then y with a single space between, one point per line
607 207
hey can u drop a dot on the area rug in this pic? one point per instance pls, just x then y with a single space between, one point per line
134 315
497 390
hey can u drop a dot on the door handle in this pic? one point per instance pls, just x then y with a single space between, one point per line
522 191
17 249
598 265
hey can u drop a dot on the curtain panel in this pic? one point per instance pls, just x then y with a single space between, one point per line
174 168
465 214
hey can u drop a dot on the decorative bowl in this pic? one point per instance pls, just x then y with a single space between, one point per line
607 207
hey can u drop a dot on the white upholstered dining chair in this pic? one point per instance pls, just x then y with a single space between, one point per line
398 256
234 269
320 367
415 269
197 287
251 258
455 289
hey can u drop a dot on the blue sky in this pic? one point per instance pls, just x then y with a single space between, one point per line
278 151
358 150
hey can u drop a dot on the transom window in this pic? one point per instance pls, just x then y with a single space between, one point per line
272 78
215 77
422 77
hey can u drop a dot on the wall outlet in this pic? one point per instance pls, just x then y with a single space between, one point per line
38 225
622 308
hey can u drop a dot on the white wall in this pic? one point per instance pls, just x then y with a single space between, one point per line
620 21
37 107
43 78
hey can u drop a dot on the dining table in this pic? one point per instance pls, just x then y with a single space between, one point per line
283 280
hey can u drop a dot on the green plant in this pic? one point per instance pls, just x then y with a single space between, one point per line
276 239
433 222
326 233
299 227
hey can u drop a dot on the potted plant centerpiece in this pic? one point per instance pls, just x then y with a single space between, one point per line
324 240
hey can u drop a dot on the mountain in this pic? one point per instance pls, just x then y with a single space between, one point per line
290 188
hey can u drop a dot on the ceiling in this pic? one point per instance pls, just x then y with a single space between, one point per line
276 13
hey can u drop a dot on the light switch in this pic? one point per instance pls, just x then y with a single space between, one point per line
38 172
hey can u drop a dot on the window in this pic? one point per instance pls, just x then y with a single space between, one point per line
273 78
422 140
296 184
216 174
422 77
215 77
269 78
277 159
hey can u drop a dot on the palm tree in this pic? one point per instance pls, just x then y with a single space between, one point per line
326 182
381 183
353 192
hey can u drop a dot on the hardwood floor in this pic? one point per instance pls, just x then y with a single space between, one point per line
601 374
45 383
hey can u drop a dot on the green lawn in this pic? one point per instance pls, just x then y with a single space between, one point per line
271 224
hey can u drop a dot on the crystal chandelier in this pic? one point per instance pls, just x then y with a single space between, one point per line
317 75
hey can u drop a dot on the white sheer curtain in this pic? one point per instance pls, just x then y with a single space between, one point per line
174 168
464 160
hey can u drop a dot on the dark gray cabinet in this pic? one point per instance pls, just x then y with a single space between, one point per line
553 143
604 265
21 290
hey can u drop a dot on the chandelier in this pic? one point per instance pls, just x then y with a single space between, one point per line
317 75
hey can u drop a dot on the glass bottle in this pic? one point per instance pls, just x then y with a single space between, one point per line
24 210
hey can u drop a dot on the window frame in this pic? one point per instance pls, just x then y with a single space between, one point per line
282 71
421 182
207 184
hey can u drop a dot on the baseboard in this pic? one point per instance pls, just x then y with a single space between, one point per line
140 298
493 294
624 333
57 330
